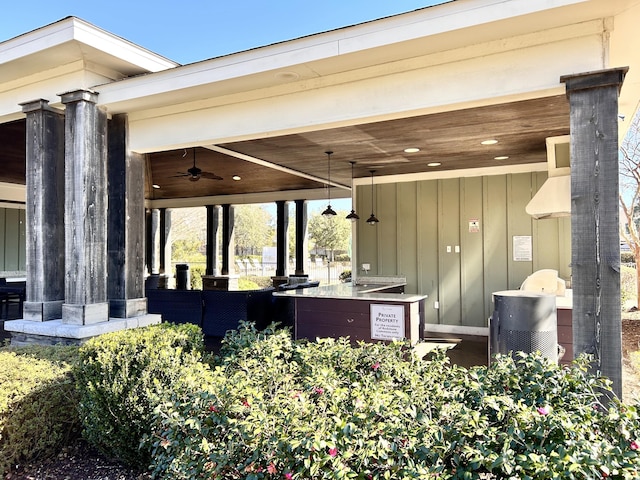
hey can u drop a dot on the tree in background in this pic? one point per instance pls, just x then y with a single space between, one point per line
630 194
188 235
330 232
253 229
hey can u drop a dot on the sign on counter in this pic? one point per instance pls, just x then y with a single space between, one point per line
387 322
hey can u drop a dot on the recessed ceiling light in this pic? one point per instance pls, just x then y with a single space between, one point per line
434 164
501 157
411 150
491 141
237 177
155 186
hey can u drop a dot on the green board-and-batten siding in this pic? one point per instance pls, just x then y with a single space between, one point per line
422 223
12 240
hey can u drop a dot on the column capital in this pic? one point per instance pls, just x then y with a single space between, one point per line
79 95
37 105
612 77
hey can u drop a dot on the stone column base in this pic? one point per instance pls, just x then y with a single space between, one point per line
133 307
42 311
85 314
55 332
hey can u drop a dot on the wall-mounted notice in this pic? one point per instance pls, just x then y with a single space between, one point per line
387 322
522 248
474 225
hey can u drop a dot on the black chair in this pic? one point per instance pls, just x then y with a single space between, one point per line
11 294
176 306
223 310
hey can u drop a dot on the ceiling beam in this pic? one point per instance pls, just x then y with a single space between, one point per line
274 166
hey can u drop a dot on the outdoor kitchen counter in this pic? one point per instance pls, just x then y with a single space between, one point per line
363 311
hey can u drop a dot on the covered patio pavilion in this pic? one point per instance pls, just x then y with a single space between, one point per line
90 122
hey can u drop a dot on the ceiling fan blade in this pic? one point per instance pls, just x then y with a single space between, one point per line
181 174
211 176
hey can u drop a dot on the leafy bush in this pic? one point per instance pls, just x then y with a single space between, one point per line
197 271
245 284
122 376
37 403
283 409
254 282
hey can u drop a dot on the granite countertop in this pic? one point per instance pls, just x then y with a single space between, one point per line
364 289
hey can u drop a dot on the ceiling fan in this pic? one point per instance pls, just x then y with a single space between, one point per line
194 173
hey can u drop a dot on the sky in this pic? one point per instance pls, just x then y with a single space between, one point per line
187 31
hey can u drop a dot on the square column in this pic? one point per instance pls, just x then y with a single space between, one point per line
125 243
228 219
44 211
301 237
213 244
282 239
85 210
595 237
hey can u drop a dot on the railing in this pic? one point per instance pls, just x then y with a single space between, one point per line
325 273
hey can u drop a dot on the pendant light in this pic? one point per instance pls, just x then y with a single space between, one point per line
372 220
353 216
329 210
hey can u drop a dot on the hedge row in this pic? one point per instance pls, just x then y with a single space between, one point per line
271 408
37 403
297 410
123 376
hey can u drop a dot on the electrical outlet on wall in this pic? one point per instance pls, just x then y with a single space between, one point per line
436 304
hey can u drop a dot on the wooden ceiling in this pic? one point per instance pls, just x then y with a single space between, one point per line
451 139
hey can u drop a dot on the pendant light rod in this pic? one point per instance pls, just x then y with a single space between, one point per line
329 210
353 216
372 220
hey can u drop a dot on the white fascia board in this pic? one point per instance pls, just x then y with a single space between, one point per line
209 73
449 17
514 75
73 29
242 90
417 25
120 48
36 41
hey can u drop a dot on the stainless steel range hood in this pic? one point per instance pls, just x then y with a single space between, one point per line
553 199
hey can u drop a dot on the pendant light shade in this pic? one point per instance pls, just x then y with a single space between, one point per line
353 216
329 210
372 220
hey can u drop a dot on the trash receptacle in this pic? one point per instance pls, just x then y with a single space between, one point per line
524 321
182 276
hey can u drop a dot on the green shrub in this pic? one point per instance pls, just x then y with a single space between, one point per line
283 409
38 413
197 271
245 284
627 257
123 376
254 282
